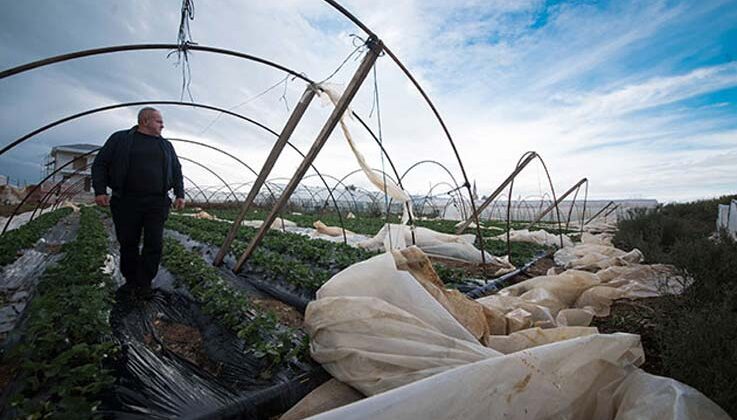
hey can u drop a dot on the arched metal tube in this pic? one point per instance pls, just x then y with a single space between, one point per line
143 47
42 201
464 213
67 193
244 164
404 69
58 184
213 173
202 193
178 103
33 190
524 159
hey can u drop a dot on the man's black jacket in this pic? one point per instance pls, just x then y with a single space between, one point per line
111 165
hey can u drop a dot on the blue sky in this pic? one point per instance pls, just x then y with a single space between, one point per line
640 97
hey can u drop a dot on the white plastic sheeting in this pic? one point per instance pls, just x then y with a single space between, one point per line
437 244
383 183
591 377
378 330
727 218
601 226
574 297
539 237
21 219
593 257
324 229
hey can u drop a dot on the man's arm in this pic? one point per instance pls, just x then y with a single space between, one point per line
178 182
178 178
100 171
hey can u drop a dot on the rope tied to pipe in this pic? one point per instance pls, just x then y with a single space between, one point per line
184 40
360 45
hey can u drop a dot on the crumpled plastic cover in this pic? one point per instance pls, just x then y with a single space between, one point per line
539 237
375 328
324 229
458 247
593 257
383 183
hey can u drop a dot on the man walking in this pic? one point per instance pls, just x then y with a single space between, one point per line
140 167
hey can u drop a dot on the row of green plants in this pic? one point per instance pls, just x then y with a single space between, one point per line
693 332
67 340
12 242
520 252
367 224
266 338
330 255
363 223
264 261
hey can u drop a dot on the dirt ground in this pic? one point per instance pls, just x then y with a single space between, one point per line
636 317
7 373
183 340
7 209
540 268
286 314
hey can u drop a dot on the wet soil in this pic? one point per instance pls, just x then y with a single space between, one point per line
184 341
286 314
7 373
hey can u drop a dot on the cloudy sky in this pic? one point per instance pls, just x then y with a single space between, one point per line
640 97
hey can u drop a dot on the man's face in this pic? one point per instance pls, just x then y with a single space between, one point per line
155 123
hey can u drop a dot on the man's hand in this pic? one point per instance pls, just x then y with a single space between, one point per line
102 200
179 203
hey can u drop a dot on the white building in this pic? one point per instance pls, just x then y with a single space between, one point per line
77 174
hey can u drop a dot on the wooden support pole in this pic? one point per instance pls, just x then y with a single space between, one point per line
276 150
599 212
496 192
555 204
375 47
611 211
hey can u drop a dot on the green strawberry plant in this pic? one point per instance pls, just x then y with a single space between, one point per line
68 340
12 242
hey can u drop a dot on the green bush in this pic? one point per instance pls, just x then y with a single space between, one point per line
694 331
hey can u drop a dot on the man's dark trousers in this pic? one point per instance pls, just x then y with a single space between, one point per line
133 215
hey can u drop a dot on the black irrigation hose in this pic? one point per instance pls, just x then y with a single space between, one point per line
275 398
497 284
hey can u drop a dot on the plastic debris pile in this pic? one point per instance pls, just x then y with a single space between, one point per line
387 329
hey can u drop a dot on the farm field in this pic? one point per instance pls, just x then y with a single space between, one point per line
243 331
80 370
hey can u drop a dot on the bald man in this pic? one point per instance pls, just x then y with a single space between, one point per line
140 167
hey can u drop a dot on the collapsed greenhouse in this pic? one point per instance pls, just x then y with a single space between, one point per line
312 296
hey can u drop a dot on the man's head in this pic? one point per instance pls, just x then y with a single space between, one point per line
150 121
